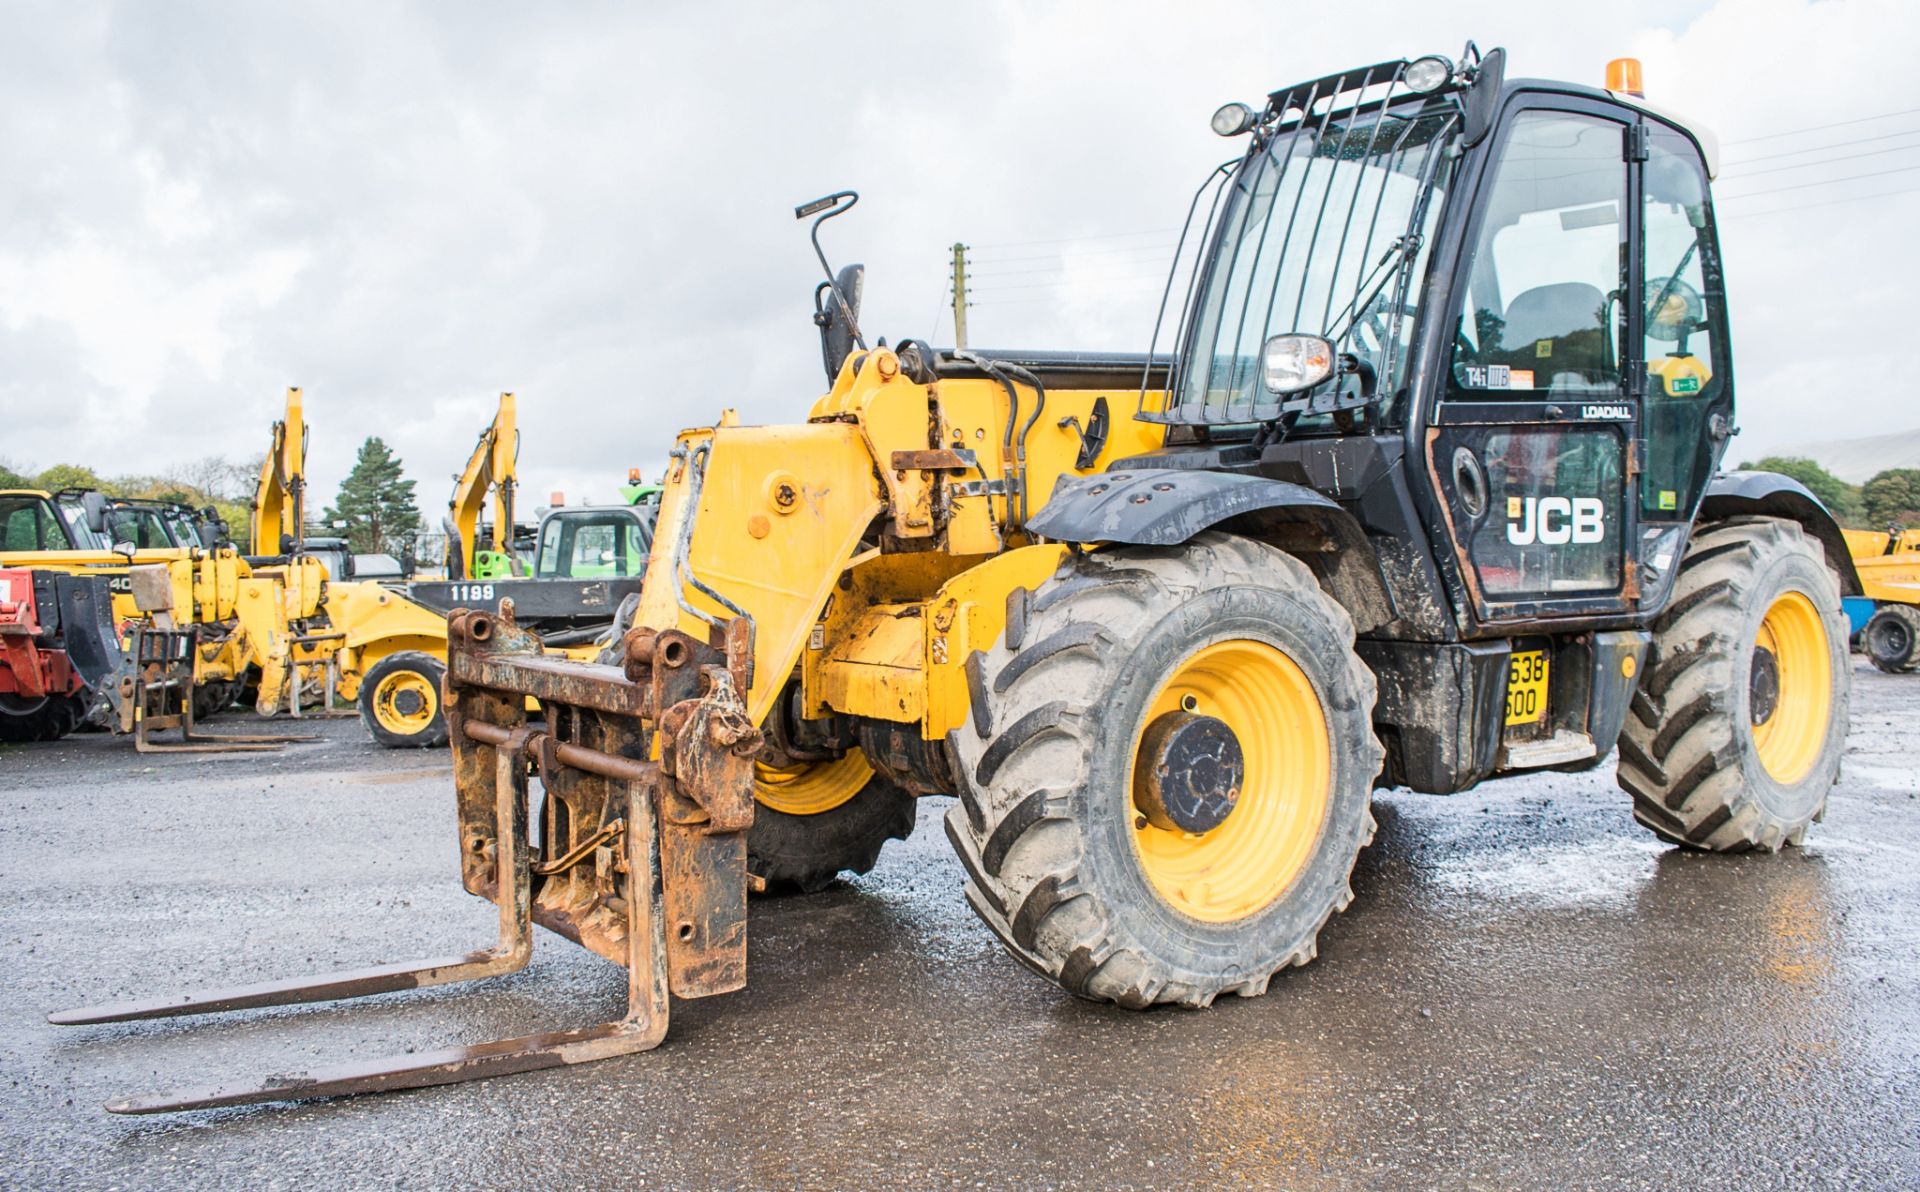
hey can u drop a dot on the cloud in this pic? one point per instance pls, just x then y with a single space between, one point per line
409 209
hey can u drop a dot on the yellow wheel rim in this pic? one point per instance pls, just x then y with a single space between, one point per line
811 787
1251 858
405 702
1790 734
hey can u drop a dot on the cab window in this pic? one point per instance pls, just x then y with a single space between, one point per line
550 547
27 523
1547 269
1685 326
593 547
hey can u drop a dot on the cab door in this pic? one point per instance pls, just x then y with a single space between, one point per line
1531 443
1687 411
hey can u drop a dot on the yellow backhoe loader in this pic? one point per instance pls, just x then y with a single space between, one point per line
488 479
1425 493
382 644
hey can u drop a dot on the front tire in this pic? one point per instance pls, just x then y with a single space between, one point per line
1735 735
400 701
1891 638
1143 882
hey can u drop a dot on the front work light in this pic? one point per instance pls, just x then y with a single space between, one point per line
1427 74
1294 363
1232 119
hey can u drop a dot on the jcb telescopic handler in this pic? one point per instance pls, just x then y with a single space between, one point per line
1424 493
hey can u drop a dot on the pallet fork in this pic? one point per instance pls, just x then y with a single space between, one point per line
641 858
159 695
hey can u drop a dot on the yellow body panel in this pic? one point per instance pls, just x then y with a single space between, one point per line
1887 574
782 510
875 582
878 665
968 614
375 623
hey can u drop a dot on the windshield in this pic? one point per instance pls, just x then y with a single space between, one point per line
1321 230
593 546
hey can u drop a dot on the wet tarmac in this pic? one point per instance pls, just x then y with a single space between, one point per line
1529 992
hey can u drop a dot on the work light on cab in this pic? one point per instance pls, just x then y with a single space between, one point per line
1623 77
1295 363
1427 74
1232 119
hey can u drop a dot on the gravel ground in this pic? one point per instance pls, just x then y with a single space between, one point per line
1529 991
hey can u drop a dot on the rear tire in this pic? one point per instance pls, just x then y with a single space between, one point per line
1735 735
1891 638
806 852
46 719
1062 861
401 701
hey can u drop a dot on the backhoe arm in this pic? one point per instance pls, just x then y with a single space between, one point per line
489 473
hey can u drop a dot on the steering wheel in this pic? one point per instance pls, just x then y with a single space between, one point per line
1673 309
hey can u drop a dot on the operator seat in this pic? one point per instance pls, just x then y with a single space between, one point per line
1557 331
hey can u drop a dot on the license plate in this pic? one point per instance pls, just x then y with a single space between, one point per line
1527 687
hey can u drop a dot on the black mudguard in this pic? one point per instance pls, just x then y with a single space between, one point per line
1161 506
1168 506
76 612
1770 494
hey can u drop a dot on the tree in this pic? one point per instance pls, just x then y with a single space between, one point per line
1841 499
61 476
1893 496
10 478
374 502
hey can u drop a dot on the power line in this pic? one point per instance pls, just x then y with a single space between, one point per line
1794 132
1059 300
1079 239
1825 161
1079 252
1754 194
1821 203
993 273
1885 136
1070 285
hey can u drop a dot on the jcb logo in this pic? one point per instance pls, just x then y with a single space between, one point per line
1555 521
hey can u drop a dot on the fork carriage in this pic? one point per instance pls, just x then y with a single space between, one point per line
640 858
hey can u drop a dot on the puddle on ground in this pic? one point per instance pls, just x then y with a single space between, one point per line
1898 778
1588 873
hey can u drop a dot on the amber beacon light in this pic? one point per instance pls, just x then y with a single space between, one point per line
1623 76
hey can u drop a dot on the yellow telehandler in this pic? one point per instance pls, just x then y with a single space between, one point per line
189 621
1426 492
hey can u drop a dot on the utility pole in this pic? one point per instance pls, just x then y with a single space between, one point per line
959 295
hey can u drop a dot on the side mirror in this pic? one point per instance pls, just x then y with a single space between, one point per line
93 507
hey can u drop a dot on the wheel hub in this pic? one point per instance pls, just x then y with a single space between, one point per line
408 702
1190 773
1763 686
1893 639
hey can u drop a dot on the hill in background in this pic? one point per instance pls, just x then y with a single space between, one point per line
1852 460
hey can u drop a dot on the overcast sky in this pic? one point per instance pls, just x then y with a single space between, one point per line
409 209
